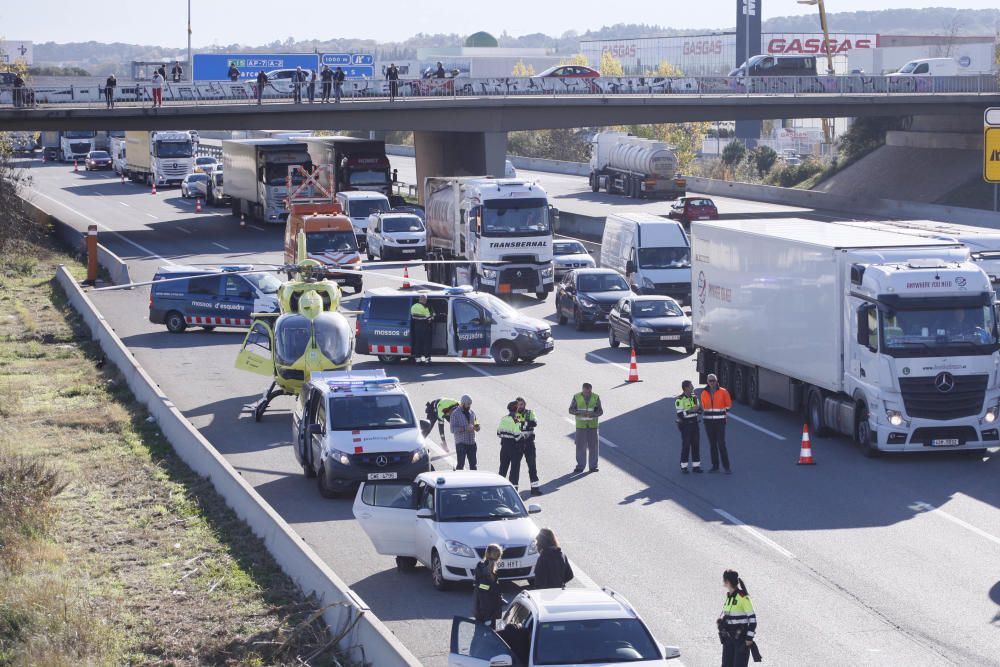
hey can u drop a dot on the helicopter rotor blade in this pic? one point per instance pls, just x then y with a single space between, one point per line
142 283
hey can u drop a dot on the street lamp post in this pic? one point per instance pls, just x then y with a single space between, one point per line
827 130
189 63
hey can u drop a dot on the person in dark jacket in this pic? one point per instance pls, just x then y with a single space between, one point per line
439 72
488 600
326 76
234 74
338 84
311 85
162 69
552 569
109 91
392 76
176 72
261 85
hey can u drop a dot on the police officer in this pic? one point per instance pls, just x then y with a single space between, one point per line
526 418
687 409
715 404
511 444
737 623
439 410
422 325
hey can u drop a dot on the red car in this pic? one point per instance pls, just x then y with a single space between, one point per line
569 72
686 209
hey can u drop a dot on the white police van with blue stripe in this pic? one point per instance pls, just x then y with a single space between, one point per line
183 296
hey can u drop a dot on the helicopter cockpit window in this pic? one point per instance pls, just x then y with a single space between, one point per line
291 334
259 337
334 337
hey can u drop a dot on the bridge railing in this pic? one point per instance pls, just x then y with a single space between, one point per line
140 93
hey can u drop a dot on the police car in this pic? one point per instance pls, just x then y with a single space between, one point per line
572 626
466 324
209 298
356 426
445 520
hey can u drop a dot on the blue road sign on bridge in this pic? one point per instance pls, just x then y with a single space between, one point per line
215 66
346 59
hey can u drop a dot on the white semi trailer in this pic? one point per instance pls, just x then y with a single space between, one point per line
887 337
635 167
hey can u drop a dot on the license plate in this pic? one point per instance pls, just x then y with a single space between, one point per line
945 442
703 217
509 564
409 251
381 475
677 337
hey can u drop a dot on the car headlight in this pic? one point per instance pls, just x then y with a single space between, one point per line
547 272
687 327
991 415
524 332
418 454
340 457
645 330
457 548
532 548
489 274
895 417
648 284
587 303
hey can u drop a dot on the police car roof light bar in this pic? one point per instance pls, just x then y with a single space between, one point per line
376 383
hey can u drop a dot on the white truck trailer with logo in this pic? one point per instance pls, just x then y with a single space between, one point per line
635 167
501 226
884 336
163 157
256 175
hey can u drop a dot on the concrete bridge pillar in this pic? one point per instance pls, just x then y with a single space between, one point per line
459 154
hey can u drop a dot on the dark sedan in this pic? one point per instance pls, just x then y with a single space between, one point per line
97 160
587 296
647 322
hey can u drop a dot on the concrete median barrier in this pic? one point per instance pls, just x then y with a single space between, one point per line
365 638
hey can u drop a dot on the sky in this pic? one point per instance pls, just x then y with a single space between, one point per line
258 22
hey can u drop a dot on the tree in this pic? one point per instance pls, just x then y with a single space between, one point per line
734 153
17 228
610 66
763 158
520 69
666 69
578 59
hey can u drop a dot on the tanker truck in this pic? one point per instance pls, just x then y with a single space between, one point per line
635 167
501 226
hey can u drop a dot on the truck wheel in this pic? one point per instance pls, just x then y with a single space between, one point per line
740 383
504 354
389 358
863 432
753 390
724 369
814 412
324 489
595 182
541 296
175 322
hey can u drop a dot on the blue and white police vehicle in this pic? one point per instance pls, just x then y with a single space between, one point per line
183 296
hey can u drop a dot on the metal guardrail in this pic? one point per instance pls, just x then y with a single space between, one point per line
140 93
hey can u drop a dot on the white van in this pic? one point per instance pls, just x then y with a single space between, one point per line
395 235
653 254
929 67
358 205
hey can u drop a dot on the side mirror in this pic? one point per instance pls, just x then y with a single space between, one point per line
671 652
501 661
425 513
630 266
534 509
863 331
316 429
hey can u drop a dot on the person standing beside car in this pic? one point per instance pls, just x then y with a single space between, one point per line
552 569
737 623
422 325
687 409
464 426
528 423
511 444
488 601
586 408
715 405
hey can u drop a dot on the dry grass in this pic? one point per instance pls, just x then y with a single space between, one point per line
111 550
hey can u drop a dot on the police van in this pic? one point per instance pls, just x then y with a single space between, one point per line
466 324
356 426
208 298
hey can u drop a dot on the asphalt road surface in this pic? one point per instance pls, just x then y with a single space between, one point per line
853 561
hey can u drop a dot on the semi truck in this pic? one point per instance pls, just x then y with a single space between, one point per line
256 175
49 141
635 167
23 143
163 157
358 164
75 144
886 337
501 226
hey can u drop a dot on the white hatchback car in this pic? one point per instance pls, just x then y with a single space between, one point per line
573 626
445 520
569 254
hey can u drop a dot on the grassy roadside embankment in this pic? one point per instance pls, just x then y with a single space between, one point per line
112 551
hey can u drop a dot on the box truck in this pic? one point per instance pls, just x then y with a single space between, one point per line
635 167
887 337
163 157
503 227
358 164
256 173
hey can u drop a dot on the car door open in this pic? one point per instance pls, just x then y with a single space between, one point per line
387 512
477 645
257 354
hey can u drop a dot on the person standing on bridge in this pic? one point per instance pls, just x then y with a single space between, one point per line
176 72
261 85
311 88
162 69
157 89
526 418
234 74
511 444
109 90
298 78
687 408
392 76
439 72
464 426
586 407
338 84
737 623
715 405
326 76
422 325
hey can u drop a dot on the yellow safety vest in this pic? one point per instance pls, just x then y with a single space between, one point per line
582 404
420 311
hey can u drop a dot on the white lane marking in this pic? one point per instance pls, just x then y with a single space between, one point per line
921 506
181 229
154 217
759 428
607 361
754 532
581 576
124 204
108 229
219 245
259 229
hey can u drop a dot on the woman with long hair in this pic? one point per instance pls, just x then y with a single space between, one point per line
737 623
488 600
552 569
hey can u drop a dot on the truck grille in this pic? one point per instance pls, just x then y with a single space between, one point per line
172 170
672 288
391 459
923 399
79 148
527 280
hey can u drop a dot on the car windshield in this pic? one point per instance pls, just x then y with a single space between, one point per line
362 208
265 282
605 640
496 306
568 248
700 202
196 177
206 160
939 331
349 413
168 149
401 224
331 241
657 308
665 258
99 154
516 217
908 67
480 503
368 177
601 282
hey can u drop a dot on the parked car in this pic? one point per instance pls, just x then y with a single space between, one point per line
195 185
686 209
568 71
205 164
97 160
569 255
587 296
645 322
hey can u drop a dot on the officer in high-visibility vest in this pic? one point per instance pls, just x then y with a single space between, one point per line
737 623
586 407
422 325
687 409
528 423
439 410
715 404
511 444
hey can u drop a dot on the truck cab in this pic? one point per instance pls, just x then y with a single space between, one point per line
75 144
330 240
358 205
466 324
653 254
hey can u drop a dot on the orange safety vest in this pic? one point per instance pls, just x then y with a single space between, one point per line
715 408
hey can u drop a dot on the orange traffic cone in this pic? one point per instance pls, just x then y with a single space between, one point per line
154 188
806 453
406 278
74 165
197 205
633 371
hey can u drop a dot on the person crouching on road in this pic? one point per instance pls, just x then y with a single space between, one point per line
552 569
526 418
488 599
511 444
737 623
439 410
715 405
422 324
687 409
464 426
586 407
